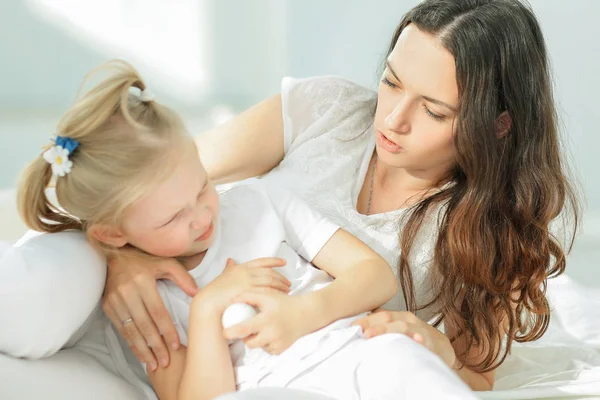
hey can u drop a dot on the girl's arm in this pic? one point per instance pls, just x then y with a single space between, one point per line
202 371
251 144
363 280
165 381
208 368
205 369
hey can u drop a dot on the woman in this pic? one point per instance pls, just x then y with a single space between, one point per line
451 171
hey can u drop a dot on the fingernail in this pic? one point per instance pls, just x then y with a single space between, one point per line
153 365
163 362
174 345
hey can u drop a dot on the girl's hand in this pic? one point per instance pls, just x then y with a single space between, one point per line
236 279
383 321
277 326
133 304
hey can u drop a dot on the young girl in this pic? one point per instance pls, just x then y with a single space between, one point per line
129 176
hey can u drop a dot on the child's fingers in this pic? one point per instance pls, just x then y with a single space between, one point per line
244 329
266 262
272 281
256 341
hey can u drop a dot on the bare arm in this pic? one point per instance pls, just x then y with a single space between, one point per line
249 145
476 380
165 381
357 270
202 371
208 368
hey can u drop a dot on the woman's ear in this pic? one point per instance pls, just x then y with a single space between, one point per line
503 124
108 234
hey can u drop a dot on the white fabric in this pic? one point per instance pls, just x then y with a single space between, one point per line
255 222
42 277
329 142
388 367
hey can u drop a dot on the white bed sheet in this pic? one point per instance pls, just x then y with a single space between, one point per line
564 364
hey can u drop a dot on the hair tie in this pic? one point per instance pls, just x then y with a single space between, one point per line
58 155
146 95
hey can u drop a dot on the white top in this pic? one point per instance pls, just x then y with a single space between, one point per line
259 221
328 142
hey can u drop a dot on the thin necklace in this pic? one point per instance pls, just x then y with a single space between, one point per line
372 183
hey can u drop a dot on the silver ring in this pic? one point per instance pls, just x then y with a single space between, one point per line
128 320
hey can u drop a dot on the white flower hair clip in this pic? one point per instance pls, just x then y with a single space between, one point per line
58 155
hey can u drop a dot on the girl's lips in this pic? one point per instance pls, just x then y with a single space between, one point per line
206 234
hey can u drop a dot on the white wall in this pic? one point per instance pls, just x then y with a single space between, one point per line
249 45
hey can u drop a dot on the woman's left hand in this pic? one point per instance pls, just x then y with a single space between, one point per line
383 321
278 324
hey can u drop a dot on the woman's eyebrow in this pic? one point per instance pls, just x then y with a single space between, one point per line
429 99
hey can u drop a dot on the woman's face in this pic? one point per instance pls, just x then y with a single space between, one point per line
416 107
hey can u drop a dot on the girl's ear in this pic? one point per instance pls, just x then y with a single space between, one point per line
108 234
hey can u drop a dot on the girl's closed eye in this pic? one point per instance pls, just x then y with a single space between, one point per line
175 218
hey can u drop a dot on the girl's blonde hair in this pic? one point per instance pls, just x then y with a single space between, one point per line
126 146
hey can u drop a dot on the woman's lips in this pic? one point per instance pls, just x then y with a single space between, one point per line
387 144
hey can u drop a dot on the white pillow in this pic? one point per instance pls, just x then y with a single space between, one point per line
49 285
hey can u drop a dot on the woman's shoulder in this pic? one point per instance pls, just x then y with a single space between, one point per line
326 89
324 105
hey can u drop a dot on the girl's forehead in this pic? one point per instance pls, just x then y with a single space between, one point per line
172 194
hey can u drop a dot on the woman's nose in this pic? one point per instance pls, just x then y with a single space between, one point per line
399 119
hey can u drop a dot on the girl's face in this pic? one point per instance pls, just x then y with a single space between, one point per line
178 218
416 105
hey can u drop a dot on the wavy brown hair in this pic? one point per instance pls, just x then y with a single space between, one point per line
495 250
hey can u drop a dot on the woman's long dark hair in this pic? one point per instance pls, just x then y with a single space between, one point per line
495 251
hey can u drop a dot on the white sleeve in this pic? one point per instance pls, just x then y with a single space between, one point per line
49 286
313 106
306 230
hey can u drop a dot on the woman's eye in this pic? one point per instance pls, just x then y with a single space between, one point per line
387 82
433 115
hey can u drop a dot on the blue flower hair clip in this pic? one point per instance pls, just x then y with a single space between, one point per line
58 155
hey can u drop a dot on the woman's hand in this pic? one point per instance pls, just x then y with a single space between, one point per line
277 326
133 304
383 321
236 279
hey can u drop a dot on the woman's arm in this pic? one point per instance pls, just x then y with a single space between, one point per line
363 281
383 321
251 144
476 380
